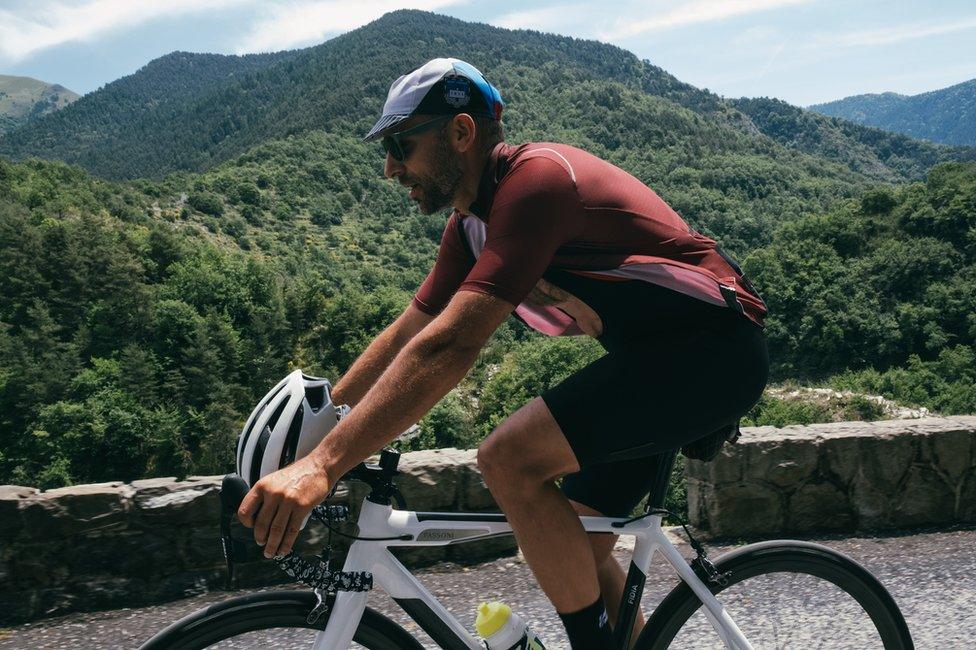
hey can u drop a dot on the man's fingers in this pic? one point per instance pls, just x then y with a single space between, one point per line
262 523
291 532
249 507
277 530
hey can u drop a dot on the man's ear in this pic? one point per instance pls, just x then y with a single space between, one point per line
464 132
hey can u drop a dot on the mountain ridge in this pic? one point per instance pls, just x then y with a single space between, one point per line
23 99
946 115
340 85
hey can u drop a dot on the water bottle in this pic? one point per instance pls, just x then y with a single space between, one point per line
501 629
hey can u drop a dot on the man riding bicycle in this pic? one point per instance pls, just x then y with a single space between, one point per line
571 245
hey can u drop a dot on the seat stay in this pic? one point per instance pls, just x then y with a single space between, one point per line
717 615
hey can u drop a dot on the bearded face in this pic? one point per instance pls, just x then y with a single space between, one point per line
434 184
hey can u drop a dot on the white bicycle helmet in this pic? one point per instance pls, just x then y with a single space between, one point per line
288 423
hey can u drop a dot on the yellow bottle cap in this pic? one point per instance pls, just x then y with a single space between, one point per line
491 617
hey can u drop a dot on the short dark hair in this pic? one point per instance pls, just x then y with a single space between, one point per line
490 131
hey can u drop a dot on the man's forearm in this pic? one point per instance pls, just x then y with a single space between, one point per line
426 370
367 368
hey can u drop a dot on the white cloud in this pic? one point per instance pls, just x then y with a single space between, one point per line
42 24
294 23
889 35
547 18
690 13
593 21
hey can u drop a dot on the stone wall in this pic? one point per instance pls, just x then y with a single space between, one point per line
111 545
125 545
842 476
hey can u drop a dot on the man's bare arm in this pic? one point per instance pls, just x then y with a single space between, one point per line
378 355
430 365
425 370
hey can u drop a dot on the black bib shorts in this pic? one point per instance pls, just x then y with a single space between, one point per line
676 369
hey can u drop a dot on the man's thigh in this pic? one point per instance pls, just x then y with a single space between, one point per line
624 410
528 444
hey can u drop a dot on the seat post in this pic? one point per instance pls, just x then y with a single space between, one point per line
661 466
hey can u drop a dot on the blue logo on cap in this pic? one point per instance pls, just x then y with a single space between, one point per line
457 91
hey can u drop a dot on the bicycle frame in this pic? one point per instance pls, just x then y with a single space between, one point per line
439 529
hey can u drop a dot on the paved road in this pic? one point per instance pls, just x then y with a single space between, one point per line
932 576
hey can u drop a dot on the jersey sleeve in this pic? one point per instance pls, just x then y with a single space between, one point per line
536 209
454 261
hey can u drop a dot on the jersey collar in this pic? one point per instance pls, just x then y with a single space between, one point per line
495 169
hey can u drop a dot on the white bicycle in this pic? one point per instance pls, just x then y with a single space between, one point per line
776 594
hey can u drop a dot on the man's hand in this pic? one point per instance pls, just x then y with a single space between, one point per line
278 503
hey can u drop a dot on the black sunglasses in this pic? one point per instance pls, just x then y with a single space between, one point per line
392 142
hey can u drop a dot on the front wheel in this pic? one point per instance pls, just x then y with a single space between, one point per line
275 619
785 594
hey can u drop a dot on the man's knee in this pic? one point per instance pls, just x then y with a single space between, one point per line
528 445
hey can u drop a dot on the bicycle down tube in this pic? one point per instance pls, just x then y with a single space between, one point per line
439 529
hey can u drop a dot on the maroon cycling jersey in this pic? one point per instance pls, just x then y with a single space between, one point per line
545 208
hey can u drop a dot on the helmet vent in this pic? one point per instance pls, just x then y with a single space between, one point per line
254 420
259 455
273 420
315 396
291 442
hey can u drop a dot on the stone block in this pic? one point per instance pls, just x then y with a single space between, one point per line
744 509
97 555
12 500
70 511
784 462
952 453
178 504
872 504
18 606
942 425
37 565
884 459
154 486
966 510
727 467
840 457
819 506
475 494
428 479
696 491
925 499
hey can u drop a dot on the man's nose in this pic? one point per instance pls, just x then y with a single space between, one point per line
393 167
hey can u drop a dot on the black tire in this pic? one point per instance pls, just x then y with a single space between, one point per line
273 610
870 605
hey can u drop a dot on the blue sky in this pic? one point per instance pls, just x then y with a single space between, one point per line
802 51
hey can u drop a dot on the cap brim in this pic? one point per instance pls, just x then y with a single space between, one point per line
384 124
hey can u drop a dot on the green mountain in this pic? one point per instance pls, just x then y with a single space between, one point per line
23 99
339 87
164 310
947 115
104 128
164 307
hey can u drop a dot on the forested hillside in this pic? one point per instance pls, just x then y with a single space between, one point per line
23 99
140 320
139 115
947 115
187 112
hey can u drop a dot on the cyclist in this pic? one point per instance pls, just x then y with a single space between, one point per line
572 245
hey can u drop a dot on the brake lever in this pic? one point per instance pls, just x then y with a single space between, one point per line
233 489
